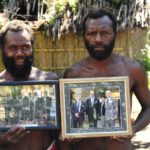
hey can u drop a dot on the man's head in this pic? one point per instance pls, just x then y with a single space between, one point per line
92 93
108 93
45 93
99 32
17 48
78 96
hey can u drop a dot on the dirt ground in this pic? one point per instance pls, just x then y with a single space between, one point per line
141 141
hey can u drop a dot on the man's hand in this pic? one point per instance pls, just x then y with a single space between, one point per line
68 139
13 135
124 137
121 138
77 115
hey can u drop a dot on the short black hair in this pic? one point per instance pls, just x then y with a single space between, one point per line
95 13
15 26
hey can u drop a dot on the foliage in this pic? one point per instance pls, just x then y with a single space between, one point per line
148 79
58 8
117 2
51 21
144 56
1 5
60 5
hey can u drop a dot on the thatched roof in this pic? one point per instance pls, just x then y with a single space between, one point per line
130 13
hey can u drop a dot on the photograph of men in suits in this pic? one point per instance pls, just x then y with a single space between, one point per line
111 109
93 109
77 111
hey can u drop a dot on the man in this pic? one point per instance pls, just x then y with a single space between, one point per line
77 111
17 54
111 110
99 33
93 109
7 101
25 107
102 109
47 104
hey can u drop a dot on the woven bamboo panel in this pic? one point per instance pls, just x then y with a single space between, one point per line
58 55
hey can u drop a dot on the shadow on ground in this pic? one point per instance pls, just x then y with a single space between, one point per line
138 145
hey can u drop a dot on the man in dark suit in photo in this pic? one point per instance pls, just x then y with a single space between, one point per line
77 111
47 104
102 100
93 109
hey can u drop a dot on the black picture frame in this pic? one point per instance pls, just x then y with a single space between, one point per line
119 87
31 104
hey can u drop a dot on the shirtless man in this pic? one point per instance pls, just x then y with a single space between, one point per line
99 33
17 54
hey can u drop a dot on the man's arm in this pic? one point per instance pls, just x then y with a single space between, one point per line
142 93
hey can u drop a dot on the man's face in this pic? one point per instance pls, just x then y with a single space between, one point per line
92 94
17 54
45 93
79 96
108 94
99 37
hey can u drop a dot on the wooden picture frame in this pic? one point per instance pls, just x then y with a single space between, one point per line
75 127
31 104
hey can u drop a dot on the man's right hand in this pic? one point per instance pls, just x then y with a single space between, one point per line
13 135
77 115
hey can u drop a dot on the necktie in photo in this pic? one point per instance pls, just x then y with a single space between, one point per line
78 106
92 101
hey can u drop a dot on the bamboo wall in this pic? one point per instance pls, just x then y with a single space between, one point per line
58 55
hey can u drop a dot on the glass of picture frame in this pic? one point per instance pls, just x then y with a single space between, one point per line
91 120
31 104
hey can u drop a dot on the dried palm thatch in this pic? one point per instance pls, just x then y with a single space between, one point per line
129 13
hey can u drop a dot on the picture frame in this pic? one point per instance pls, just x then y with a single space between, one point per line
78 123
30 104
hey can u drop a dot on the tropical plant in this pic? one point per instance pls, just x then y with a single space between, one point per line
1 5
144 55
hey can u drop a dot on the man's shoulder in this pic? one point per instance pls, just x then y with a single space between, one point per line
131 67
4 76
129 62
88 99
37 74
75 69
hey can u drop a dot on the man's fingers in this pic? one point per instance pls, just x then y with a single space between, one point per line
120 138
18 135
14 134
117 138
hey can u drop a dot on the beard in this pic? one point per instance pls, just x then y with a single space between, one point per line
18 73
100 55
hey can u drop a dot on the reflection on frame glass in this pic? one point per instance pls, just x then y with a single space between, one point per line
95 107
33 104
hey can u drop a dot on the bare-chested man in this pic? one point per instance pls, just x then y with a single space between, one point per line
17 54
99 33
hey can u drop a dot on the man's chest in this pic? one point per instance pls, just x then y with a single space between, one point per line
103 72
111 71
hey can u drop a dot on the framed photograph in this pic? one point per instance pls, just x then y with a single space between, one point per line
31 104
95 107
